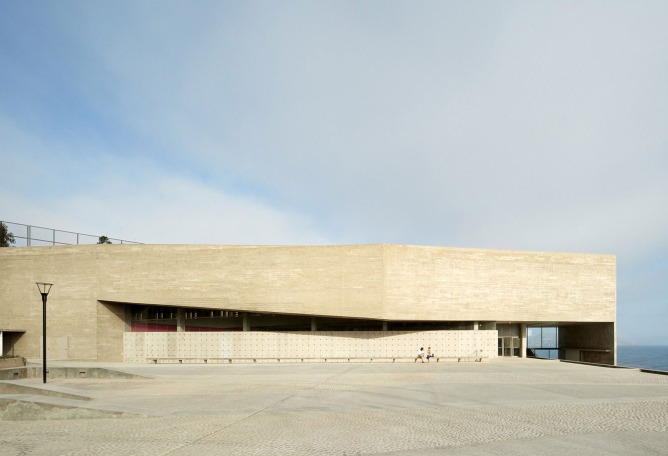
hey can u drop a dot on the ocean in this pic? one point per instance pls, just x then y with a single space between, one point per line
646 356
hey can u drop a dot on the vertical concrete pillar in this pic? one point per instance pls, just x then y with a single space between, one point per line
314 324
384 326
180 320
475 325
523 340
127 318
246 323
2 349
614 343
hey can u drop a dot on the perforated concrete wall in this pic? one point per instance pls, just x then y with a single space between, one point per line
143 347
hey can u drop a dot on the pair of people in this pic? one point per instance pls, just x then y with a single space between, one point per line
421 355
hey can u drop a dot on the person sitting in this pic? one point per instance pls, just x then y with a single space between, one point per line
420 355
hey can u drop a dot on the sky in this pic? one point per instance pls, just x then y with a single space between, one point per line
506 125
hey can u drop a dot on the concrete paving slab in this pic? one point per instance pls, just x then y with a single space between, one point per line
505 406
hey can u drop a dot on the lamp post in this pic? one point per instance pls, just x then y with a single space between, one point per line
44 289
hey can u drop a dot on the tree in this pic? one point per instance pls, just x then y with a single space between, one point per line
103 240
6 238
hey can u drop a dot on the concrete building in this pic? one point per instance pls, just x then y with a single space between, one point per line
211 303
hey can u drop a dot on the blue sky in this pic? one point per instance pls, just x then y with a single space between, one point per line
506 125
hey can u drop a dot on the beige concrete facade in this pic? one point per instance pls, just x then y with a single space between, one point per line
95 285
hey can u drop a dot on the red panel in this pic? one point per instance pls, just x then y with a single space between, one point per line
140 326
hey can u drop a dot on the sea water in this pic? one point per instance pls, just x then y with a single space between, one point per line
653 357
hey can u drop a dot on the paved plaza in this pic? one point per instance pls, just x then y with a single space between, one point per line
505 406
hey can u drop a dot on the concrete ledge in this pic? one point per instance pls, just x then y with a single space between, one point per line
13 388
652 371
7 363
63 372
613 366
397 359
13 374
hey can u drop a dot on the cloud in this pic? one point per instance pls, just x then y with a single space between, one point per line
519 125
66 187
182 211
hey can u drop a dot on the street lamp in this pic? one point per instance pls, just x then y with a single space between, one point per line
44 289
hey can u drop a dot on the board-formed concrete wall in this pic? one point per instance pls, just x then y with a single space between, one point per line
93 283
494 285
146 347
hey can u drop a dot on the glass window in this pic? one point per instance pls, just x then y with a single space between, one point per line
549 338
542 353
534 337
543 337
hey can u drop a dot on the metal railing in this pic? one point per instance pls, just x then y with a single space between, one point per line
31 235
545 353
475 356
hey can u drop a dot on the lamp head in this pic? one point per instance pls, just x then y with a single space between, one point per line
44 288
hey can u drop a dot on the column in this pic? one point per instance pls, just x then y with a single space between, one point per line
384 326
314 324
180 320
475 325
2 349
523 343
246 322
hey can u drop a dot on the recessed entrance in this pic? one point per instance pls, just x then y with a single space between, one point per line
509 346
7 340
